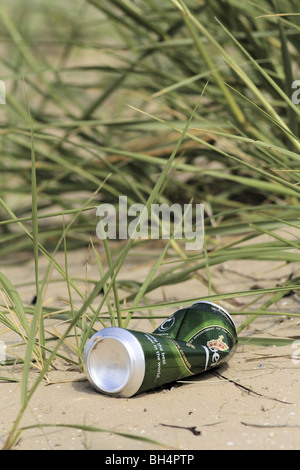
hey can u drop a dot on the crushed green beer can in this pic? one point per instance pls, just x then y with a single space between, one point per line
123 363
203 323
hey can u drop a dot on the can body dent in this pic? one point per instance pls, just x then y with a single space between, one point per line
203 323
123 363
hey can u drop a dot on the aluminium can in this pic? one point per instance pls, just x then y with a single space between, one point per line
203 323
123 363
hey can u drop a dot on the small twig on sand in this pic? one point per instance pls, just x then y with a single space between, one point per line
249 390
271 425
188 428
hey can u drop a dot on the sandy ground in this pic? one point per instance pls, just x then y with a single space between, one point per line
251 403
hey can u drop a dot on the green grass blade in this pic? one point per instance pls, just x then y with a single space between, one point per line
15 299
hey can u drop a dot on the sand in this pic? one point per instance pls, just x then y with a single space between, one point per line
252 402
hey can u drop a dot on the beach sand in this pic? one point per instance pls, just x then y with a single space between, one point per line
253 402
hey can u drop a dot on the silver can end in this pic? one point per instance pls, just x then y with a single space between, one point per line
114 362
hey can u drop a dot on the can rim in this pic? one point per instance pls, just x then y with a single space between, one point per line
132 363
221 308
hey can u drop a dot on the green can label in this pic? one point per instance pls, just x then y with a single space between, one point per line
193 340
168 360
202 324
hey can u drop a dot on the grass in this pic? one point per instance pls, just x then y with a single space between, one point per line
159 102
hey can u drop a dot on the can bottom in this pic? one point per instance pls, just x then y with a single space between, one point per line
109 365
114 362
